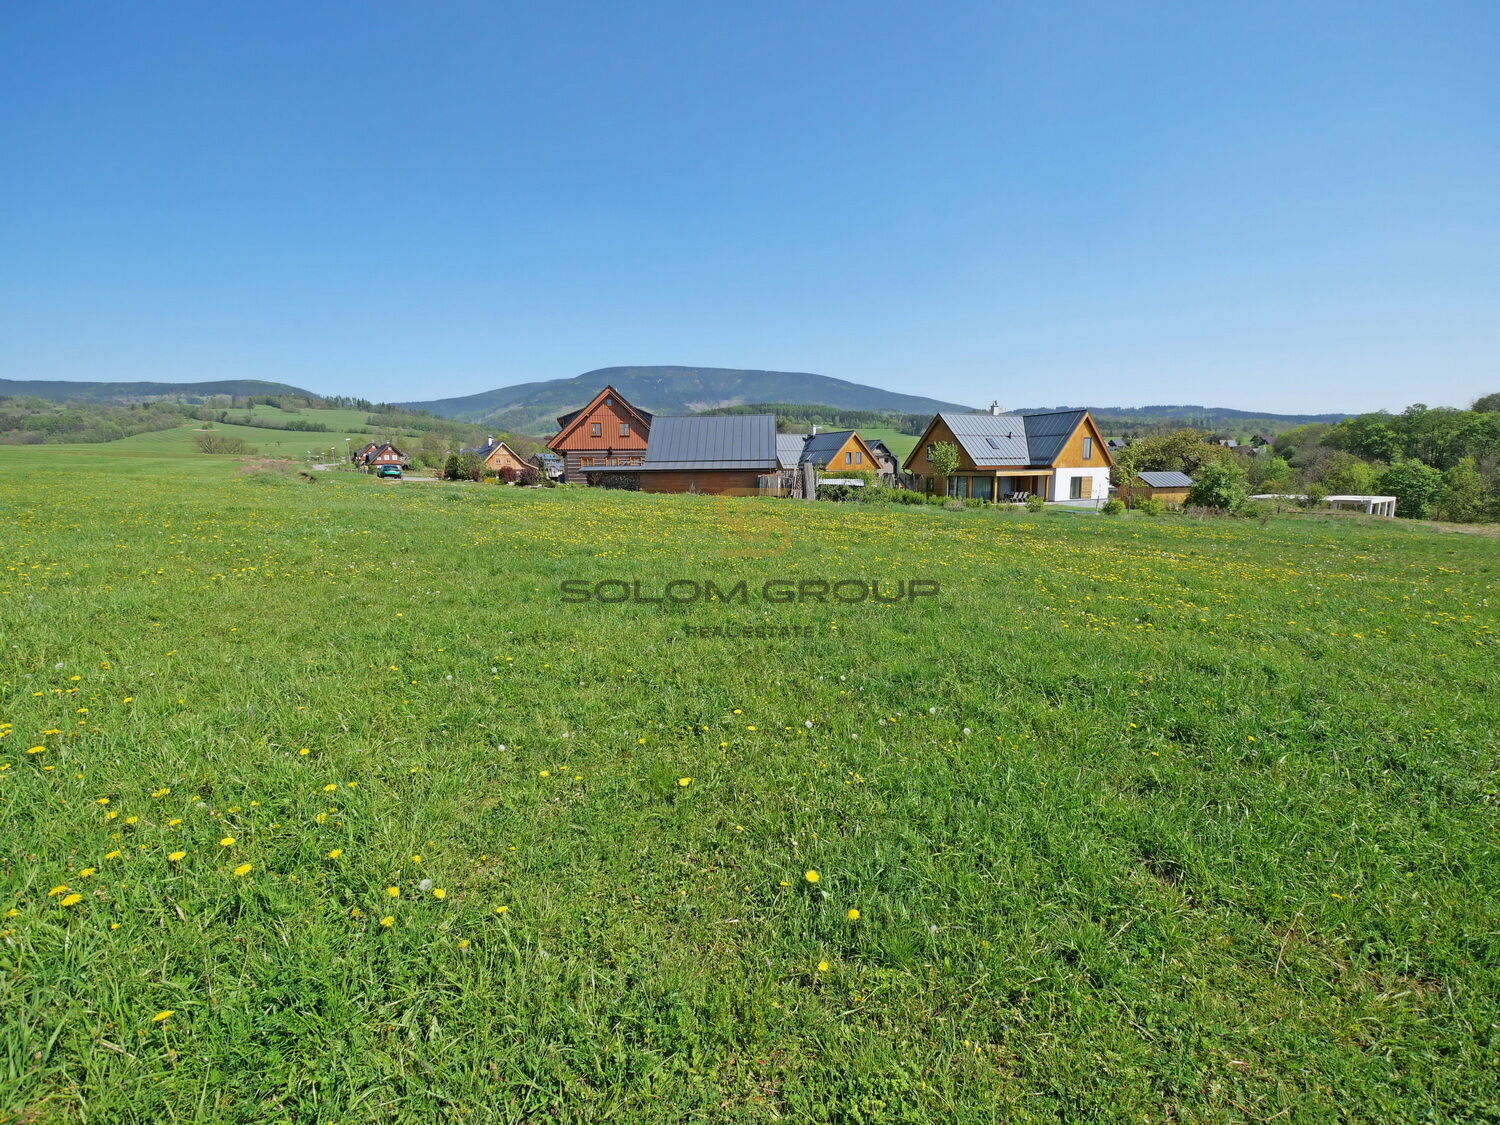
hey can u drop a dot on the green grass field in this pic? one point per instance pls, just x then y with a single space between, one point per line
898 443
319 804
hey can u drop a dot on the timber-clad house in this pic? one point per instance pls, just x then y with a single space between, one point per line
373 456
607 431
496 455
1058 455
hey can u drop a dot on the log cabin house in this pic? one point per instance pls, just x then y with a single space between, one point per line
607 431
1057 455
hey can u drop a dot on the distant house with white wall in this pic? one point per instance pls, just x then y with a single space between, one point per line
1058 455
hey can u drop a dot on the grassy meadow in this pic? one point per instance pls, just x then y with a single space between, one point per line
319 804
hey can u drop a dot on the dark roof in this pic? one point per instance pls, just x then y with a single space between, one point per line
1013 439
1166 480
820 448
488 448
731 441
789 450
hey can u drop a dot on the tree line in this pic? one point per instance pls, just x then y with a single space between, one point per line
1438 462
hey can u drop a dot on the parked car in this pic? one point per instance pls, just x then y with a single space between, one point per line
389 471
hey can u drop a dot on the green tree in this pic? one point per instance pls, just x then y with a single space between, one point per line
1347 474
944 456
1414 485
1463 497
1370 436
1220 484
1180 451
1488 404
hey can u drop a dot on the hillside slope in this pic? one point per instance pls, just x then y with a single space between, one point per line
533 407
61 390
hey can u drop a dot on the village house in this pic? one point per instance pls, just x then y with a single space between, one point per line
359 455
496 456
375 456
1057 455
833 451
605 432
720 454
1170 488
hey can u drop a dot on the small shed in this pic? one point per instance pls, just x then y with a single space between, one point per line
1169 488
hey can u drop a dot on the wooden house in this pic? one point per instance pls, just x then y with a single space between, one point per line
381 455
496 455
605 432
723 455
1170 488
832 451
364 451
1057 455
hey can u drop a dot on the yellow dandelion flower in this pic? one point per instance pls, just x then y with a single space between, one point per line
61 888
394 892
501 909
86 872
71 900
330 787
112 855
824 966
335 853
304 752
37 750
544 773
160 1017
852 915
111 814
463 943
388 921
438 892
684 781
114 925
102 801
811 876
227 842
244 869
174 822
175 856
416 859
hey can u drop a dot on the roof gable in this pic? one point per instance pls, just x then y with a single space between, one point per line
567 423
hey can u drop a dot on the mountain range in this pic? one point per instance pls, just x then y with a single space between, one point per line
534 407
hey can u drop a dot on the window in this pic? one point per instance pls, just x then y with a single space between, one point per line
597 429
859 457
624 429
1088 449
609 402
958 487
1075 487
848 458
928 454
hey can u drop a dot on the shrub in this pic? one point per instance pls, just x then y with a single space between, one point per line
1220 485
1036 502
508 475
528 476
1151 505
218 443
1113 506
1414 485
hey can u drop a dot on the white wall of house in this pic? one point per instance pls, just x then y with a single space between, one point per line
1095 486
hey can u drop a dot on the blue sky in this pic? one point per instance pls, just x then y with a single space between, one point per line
1285 206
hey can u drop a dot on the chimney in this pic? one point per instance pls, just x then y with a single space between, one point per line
815 430
995 407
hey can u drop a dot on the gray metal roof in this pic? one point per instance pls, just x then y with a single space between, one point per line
789 449
993 440
730 441
1166 480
